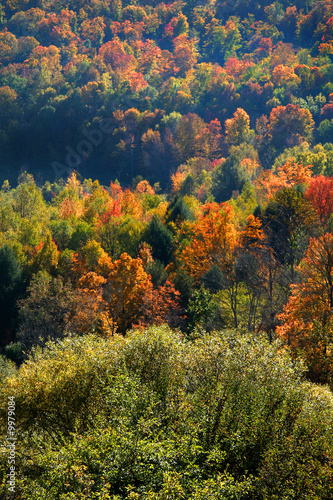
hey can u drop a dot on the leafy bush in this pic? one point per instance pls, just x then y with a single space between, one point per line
153 416
14 352
7 368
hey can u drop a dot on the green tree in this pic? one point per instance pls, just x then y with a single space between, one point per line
228 177
325 131
201 311
160 239
81 234
28 199
45 311
11 285
289 219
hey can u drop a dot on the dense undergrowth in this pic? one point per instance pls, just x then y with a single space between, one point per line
155 416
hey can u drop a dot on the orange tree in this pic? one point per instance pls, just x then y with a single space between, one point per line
213 239
289 125
288 175
123 296
210 256
307 319
127 283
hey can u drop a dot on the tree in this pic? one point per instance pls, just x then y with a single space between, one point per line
311 80
214 39
288 23
113 54
8 47
178 211
307 320
93 30
312 26
153 156
210 140
325 131
212 241
127 284
187 133
284 76
201 311
289 125
160 306
25 46
26 22
80 236
28 200
45 257
47 60
91 311
9 108
45 311
320 195
290 174
260 273
185 53
245 204
95 203
237 128
288 220
61 231
158 236
86 260
108 224
229 177
327 112
284 53
11 281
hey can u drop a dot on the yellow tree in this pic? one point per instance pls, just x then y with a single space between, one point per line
95 203
237 128
213 239
87 259
69 200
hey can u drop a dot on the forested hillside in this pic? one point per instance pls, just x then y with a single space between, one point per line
157 83
166 249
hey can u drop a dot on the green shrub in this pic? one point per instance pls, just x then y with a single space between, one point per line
152 416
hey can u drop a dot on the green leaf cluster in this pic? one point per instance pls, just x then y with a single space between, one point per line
156 417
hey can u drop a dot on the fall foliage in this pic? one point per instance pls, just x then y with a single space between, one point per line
213 241
166 248
307 317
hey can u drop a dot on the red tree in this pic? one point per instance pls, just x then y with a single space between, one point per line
320 195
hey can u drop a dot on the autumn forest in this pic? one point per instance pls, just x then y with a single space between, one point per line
166 249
